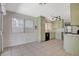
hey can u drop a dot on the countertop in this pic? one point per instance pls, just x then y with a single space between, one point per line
70 33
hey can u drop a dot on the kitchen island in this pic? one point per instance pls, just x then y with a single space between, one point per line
71 43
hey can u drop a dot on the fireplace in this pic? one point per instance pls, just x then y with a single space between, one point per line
47 36
77 31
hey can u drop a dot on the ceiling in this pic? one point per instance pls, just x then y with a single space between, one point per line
35 9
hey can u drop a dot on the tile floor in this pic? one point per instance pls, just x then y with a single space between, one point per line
48 48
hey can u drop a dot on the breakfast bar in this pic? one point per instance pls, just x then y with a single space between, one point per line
71 43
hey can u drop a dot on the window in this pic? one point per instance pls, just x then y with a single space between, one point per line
17 25
22 25
29 26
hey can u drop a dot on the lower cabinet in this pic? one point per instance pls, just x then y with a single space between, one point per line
71 42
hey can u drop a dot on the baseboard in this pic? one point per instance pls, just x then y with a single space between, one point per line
18 44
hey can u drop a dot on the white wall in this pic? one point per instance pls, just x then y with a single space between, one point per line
0 28
13 39
34 9
0 34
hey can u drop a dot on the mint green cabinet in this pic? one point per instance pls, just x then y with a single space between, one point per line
41 28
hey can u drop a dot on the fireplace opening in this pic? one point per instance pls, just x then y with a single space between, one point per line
47 36
77 31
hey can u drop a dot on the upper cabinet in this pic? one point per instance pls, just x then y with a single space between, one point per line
74 9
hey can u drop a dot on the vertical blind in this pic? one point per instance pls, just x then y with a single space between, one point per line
22 25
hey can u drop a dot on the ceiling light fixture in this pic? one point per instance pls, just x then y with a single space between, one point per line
54 18
42 3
